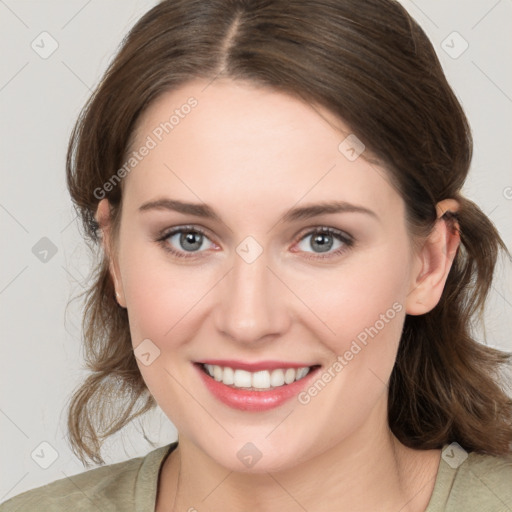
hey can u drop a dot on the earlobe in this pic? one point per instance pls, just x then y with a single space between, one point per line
435 260
118 287
103 218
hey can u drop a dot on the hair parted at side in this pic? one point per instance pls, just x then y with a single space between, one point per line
374 68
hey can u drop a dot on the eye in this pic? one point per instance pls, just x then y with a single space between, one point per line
185 239
323 240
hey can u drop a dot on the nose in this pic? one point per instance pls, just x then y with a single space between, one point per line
251 302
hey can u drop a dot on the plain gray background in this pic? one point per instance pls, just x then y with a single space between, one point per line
40 99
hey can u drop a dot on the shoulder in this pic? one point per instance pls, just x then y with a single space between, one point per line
489 475
104 488
481 482
81 492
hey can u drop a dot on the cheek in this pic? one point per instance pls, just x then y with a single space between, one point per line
365 310
163 298
163 302
357 299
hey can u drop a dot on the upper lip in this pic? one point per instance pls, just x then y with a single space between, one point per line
255 366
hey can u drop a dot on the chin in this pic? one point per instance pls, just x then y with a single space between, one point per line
259 456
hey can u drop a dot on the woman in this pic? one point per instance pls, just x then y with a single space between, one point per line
289 270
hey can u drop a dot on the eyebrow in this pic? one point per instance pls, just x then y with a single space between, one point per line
294 214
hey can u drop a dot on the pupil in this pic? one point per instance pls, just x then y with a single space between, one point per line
190 238
321 238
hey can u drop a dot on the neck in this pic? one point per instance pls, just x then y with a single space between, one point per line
367 471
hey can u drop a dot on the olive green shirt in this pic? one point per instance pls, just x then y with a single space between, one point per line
480 483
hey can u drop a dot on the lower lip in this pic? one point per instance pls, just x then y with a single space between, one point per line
246 400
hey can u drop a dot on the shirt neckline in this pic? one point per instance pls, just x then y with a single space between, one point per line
147 485
443 484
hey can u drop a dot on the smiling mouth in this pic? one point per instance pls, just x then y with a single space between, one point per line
262 380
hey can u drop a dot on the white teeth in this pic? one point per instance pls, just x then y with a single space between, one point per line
242 378
277 378
217 373
260 380
301 373
289 375
228 376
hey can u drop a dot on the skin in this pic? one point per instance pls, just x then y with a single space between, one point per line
251 154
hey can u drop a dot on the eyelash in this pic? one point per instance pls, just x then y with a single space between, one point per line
347 240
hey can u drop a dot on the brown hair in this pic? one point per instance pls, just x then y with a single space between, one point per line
373 67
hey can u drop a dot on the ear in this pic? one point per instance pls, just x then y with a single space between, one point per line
434 261
103 218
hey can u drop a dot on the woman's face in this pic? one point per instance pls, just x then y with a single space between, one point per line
258 286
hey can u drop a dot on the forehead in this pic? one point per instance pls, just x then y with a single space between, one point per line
228 140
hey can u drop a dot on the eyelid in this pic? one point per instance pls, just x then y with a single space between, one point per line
311 230
165 233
